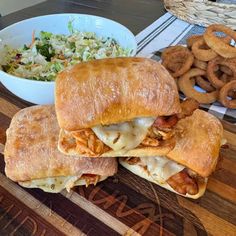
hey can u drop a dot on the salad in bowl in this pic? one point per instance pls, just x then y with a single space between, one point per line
50 53
28 68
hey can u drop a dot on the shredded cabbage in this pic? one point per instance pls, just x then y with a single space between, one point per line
50 53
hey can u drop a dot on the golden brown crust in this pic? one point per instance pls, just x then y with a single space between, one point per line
31 149
114 90
198 140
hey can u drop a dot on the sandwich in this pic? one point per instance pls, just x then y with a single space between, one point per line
186 168
116 107
32 158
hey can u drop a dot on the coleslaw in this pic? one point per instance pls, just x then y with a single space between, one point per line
49 53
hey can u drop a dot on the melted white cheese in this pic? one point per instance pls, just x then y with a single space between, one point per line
223 141
56 184
124 136
52 184
161 168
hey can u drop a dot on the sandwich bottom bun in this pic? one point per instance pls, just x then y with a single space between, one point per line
140 171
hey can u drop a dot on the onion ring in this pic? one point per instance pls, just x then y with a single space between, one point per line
185 57
223 97
226 70
232 94
186 87
188 106
175 66
192 81
168 51
203 54
204 84
222 48
192 39
212 77
200 64
225 78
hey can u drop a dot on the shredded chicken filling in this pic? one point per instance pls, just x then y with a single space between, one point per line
155 136
90 179
86 142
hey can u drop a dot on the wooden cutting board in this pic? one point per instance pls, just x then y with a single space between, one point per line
124 204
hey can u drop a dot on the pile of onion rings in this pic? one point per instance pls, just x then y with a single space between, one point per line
209 61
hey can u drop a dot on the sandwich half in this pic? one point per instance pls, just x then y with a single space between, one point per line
185 169
115 107
32 158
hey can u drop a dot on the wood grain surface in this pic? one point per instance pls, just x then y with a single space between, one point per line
124 204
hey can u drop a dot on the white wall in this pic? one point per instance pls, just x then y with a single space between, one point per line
9 6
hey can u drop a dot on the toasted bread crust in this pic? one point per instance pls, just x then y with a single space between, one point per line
198 141
114 90
31 149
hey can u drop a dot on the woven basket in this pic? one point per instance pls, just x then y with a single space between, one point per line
203 12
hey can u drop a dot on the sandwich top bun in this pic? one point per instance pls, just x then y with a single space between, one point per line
114 90
31 149
198 141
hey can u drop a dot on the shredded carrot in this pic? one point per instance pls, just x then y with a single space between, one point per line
66 62
33 39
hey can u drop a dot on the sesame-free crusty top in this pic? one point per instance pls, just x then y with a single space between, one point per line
31 149
198 141
114 90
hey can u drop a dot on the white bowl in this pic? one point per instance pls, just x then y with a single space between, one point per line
18 34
